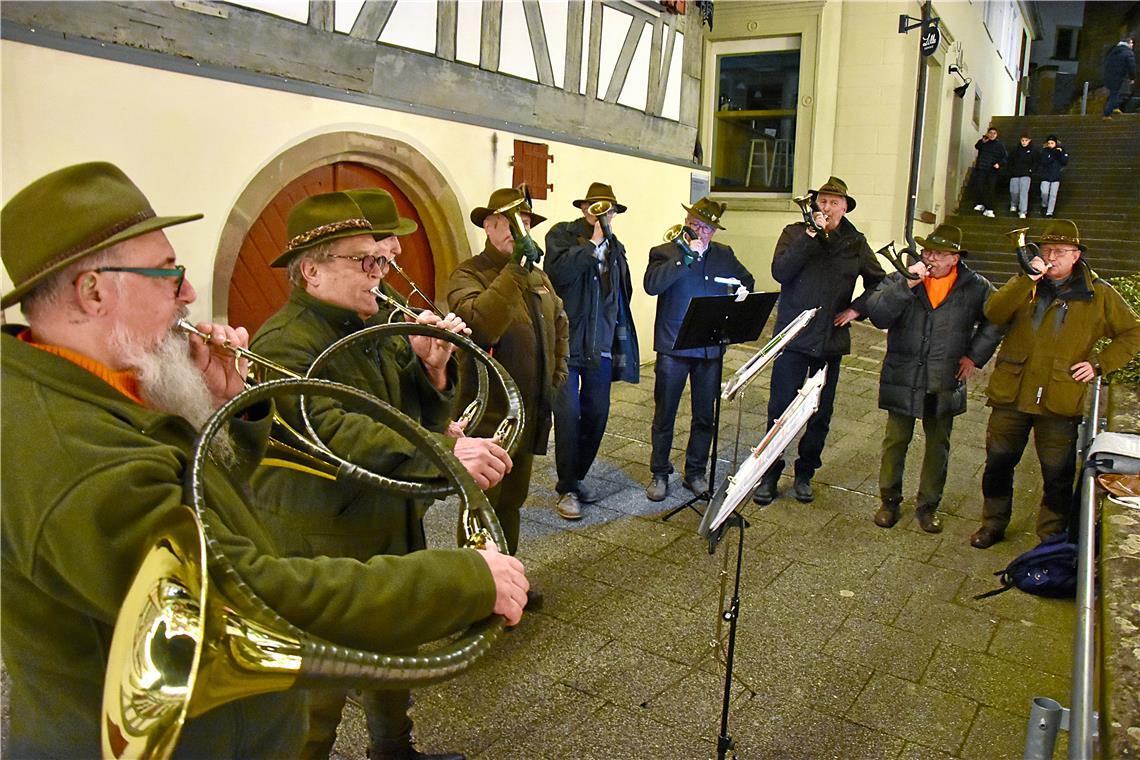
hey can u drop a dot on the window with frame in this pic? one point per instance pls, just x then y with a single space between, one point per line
1066 45
754 124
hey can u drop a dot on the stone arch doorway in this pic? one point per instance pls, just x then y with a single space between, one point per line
246 290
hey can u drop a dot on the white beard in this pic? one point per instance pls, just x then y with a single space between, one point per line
170 382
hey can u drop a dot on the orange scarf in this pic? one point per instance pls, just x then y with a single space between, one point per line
124 382
937 288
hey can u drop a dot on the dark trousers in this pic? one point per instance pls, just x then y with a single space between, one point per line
1056 441
789 371
985 183
385 711
581 410
935 458
670 375
508 496
1115 98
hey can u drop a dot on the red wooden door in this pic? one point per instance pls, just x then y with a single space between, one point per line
257 290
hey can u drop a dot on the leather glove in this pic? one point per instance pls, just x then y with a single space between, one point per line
526 250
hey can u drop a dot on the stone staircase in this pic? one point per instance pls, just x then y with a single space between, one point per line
1100 191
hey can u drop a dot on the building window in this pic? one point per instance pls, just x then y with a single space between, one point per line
754 125
1067 40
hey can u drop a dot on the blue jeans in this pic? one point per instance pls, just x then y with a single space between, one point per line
581 410
670 374
789 371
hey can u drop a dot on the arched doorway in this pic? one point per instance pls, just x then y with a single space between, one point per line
256 290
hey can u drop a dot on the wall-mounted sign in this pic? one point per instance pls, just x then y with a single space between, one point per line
930 37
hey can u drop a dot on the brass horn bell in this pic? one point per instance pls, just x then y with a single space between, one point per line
1026 251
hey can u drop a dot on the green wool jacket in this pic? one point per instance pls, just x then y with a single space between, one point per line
312 516
514 312
1032 372
87 474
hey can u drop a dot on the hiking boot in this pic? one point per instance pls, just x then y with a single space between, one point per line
568 506
802 491
698 484
928 519
985 537
887 515
658 487
766 492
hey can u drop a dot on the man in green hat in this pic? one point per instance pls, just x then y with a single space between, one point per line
816 269
513 311
1052 321
101 401
678 271
936 337
587 265
335 266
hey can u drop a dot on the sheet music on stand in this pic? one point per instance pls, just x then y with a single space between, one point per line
735 489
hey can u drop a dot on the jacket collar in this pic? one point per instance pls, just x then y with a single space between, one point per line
337 315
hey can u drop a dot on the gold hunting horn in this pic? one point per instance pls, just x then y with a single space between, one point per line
898 259
412 284
600 209
682 236
513 212
193 635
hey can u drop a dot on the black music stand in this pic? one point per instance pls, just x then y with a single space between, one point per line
720 321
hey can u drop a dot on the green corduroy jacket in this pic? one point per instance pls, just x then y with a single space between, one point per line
87 473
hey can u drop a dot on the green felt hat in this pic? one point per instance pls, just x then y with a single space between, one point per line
707 210
834 186
319 219
946 237
501 198
380 209
1061 231
69 214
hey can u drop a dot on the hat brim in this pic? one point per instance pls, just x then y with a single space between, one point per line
689 209
284 259
850 200
403 227
481 213
617 206
13 296
933 245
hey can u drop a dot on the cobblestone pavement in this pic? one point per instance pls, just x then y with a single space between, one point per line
853 642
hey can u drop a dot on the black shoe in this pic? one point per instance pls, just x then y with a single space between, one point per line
534 600
985 537
698 484
403 748
802 491
766 493
586 495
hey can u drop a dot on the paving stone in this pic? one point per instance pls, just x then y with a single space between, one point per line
790 732
781 671
881 647
943 621
623 674
1033 645
990 680
997 735
929 717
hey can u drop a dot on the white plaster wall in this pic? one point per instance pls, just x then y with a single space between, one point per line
193 144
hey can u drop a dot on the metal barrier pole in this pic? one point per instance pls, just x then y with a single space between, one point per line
1085 99
1045 718
1082 718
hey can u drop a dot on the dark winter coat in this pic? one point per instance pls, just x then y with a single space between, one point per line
514 312
1119 66
1052 161
1022 161
990 152
573 270
924 344
1033 373
813 272
675 285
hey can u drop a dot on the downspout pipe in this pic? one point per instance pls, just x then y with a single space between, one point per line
916 139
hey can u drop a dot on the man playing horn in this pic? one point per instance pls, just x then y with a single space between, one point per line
102 399
678 271
1046 361
587 265
338 250
513 311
